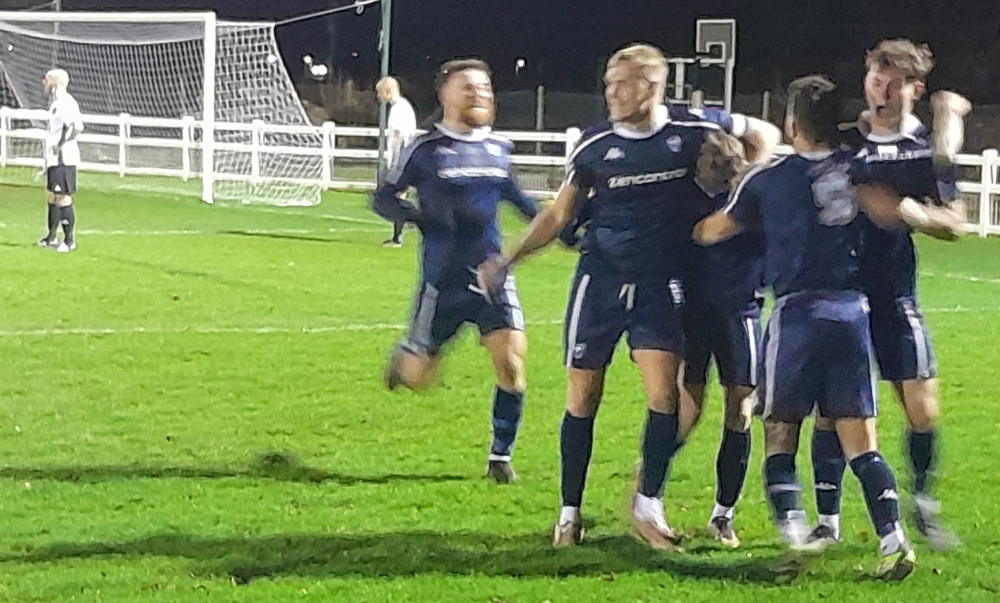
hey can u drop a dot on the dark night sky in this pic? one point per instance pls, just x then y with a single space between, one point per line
565 41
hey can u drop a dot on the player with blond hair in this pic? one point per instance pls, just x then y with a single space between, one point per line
635 177
62 154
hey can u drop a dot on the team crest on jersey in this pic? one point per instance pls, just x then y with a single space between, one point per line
674 143
614 153
494 149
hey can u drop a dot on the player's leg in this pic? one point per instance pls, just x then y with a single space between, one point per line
54 214
698 326
397 235
501 326
436 318
828 464
67 213
857 436
507 348
849 397
576 443
789 388
659 370
911 367
594 323
737 358
656 338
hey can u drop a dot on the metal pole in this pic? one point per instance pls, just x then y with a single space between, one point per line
57 7
384 37
539 114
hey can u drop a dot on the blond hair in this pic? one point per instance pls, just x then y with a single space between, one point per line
388 84
59 76
646 57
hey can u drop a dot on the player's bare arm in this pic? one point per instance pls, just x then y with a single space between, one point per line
543 230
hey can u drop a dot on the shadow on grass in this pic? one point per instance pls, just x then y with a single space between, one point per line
278 466
275 235
244 559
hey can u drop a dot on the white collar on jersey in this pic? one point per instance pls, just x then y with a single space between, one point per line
815 155
476 135
909 128
661 117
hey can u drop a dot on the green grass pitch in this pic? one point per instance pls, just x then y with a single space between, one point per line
191 410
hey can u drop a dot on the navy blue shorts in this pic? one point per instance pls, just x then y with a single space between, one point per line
439 313
731 336
901 340
818 354
602 307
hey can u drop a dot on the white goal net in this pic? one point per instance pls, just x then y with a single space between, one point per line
179 95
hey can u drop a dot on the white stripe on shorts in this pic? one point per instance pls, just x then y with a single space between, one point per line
771 356
752 341
919 341
574 318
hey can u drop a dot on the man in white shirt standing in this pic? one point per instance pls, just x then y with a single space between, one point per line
400 128
62 154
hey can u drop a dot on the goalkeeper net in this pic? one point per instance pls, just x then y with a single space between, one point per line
250 141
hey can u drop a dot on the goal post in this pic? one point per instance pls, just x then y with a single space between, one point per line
155 71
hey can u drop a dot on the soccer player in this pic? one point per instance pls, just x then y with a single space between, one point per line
895 157
818 343
62 154
633 181
722 315
461 172
400 128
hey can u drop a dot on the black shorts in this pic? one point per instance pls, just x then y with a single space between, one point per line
61 179
731 336
439 313
603 306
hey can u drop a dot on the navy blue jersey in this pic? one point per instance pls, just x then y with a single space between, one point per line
730 273
904 163
639 189
805 208
460 180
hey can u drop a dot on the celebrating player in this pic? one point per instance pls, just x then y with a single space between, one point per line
818 342
634 181
895 158
461 172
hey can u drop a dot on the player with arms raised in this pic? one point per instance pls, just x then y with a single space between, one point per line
908 185
818 345
461 172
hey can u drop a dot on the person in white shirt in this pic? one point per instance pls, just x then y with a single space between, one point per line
401 126
62 154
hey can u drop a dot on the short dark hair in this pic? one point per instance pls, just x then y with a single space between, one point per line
915 60
454 66
815 103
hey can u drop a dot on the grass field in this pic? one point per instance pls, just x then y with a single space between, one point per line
191 409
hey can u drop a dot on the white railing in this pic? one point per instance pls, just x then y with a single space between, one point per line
137 154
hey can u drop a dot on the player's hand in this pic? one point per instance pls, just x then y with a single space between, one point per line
491 276
881 205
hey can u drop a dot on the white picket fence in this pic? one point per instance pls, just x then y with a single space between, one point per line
143 146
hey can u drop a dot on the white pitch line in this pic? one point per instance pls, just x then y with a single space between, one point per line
252 231
336 217
375 326
963 277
